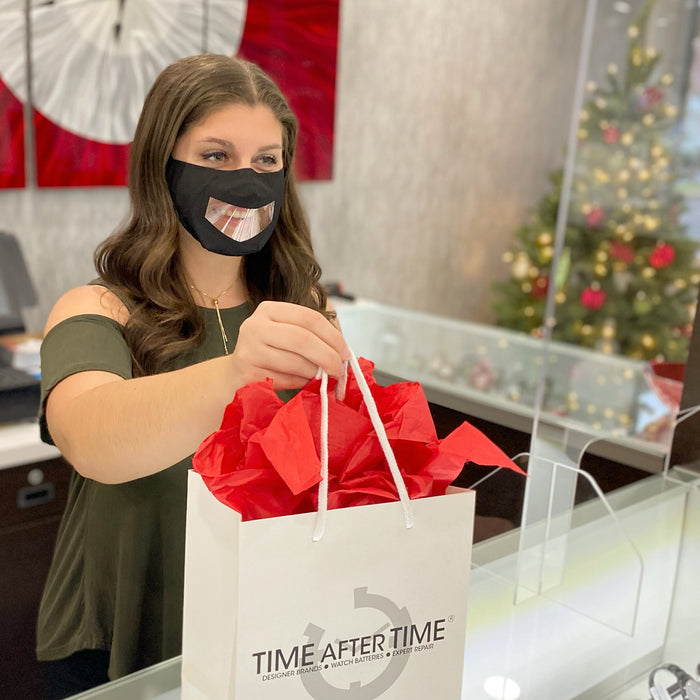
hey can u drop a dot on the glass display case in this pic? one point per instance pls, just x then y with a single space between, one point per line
494 373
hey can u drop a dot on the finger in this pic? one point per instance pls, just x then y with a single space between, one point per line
272 360
313 321
285 335
307 347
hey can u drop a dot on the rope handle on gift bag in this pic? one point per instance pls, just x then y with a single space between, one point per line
383 441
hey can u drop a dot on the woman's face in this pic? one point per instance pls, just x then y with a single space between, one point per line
230 138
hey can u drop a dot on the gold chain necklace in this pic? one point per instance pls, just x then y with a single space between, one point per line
215 301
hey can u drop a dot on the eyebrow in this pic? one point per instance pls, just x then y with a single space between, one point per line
228 144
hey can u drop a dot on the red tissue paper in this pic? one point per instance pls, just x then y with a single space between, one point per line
264 460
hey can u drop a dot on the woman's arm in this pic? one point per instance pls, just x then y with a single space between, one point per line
114 430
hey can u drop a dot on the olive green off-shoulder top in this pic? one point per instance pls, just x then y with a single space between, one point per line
116 579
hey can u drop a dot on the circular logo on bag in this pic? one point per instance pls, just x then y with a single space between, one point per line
400 619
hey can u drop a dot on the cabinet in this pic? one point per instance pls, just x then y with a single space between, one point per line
32 498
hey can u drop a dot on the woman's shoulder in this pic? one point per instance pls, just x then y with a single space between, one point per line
87 299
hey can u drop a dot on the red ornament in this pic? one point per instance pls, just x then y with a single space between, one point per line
595 217
611 134
662 255
540 287
592 298
622 252
650 97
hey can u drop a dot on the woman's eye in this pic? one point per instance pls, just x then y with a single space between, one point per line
268 161
216 156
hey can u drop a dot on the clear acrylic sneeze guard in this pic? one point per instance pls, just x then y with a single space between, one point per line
594 595
594 590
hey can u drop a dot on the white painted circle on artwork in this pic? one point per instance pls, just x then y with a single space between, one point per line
93 61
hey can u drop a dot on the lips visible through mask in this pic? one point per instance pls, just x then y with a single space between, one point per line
238 223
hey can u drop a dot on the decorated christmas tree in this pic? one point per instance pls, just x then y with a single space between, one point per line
627 278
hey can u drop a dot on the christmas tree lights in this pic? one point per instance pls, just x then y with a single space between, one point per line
627 278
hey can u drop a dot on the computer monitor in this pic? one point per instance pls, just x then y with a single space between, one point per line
16 289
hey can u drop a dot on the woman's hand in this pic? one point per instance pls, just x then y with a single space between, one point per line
287 343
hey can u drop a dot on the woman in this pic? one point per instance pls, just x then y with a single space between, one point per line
210 285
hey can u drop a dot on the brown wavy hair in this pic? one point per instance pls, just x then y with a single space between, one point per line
141 262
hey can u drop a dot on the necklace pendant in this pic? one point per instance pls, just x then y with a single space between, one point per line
224 337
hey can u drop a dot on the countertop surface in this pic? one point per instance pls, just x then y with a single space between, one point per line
20 444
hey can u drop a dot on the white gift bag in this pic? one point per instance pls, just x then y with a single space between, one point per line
347 604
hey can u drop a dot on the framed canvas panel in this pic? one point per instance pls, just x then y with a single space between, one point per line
13 89
296 43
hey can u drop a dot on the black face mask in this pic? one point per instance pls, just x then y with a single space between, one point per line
231 212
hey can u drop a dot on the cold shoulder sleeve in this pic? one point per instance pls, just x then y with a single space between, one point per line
78 344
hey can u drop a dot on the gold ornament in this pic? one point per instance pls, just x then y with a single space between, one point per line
671 111
608 331
636 57
601 256
582 134
529 311
648 119
623 175
648 273
547 253
520 266
601 176
601 103
643 175
651 53
667 79
560 298
651 223
657 151
648 341
600 269
612 69
633 31
545 238
627 139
